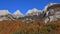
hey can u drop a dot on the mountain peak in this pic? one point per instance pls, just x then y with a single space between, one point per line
4 12
32 10
17 12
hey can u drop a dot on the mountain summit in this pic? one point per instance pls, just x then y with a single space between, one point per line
17 14
33 11
4 12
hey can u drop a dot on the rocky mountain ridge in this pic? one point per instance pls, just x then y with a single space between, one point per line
49 14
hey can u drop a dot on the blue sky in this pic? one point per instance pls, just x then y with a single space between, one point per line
24 5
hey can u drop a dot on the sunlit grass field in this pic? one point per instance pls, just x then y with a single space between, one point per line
33 27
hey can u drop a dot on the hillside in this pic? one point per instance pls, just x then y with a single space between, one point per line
34 27
35 21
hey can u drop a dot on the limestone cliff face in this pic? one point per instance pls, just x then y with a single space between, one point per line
53 12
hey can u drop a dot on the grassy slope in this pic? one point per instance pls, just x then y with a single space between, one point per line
35 27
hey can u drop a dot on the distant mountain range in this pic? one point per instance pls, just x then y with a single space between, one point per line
50 13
